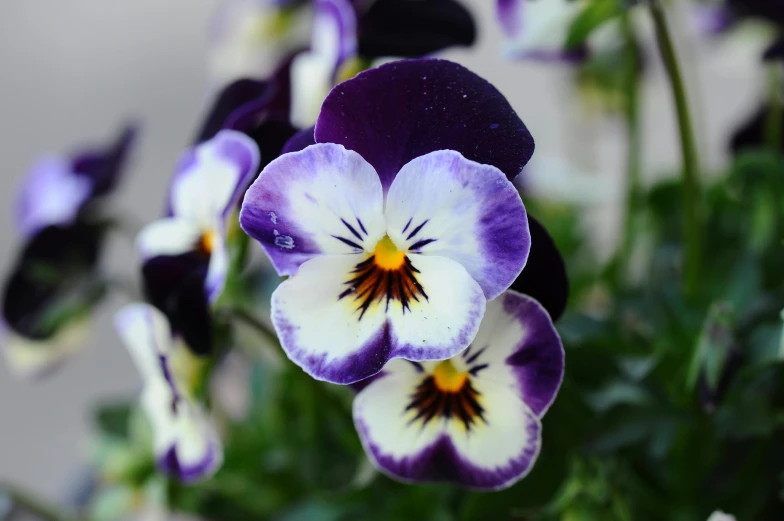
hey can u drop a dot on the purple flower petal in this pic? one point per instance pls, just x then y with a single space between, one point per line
104 167
472 420
313 202
509 14
441 204
406 109
300 141
52 195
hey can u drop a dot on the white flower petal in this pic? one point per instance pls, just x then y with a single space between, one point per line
171 236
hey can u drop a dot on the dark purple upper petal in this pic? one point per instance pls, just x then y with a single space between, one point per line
414 28
53 280
104 166
175 285
544 277
406 109
232 104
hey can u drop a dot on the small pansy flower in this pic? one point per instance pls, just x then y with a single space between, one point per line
398 225
474 419
185 441
55 282
721 516
190 244
538 29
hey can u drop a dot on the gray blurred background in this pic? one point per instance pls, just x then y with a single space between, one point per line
72 71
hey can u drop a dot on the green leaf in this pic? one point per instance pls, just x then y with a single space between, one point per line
113 419
594 15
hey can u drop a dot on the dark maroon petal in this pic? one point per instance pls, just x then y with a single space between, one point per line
775 52
406 109
232 103
271 136
414 28
544 277
54 275
175 285
104 167
300 141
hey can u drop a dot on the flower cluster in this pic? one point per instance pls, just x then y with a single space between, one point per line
414 273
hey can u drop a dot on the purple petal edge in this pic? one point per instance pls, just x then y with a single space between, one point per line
441 462
538 361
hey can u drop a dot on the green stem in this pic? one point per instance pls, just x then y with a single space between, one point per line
690 192
633 159
253 322
36 506
773 130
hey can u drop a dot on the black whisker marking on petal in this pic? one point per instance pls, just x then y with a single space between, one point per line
475 370
430 402
417 366
351 229
421 244
407 225
361 226
410 265
416 230
348 242
467 350
475 356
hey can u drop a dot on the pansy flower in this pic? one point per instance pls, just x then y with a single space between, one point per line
538 30
474 419
185 442
185 256
54 283
399 224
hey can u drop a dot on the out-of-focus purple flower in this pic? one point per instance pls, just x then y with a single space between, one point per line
190 244
55 282
399 224
474 419
185 442
57 188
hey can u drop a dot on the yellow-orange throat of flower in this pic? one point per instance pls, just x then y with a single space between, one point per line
447 378
387 256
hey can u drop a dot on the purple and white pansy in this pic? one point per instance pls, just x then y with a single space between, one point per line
207 187
538 30
474 419
185 441
397 226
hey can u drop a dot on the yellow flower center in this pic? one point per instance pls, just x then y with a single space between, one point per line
387 256
447 378
207 241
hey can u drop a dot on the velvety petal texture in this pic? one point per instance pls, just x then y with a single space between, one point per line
475 419
406 109
185 442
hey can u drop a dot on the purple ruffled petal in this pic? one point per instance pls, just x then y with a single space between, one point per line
169 463
406 109
339 13
442 462
538 361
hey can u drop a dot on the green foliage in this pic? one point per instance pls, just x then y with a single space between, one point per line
670 409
